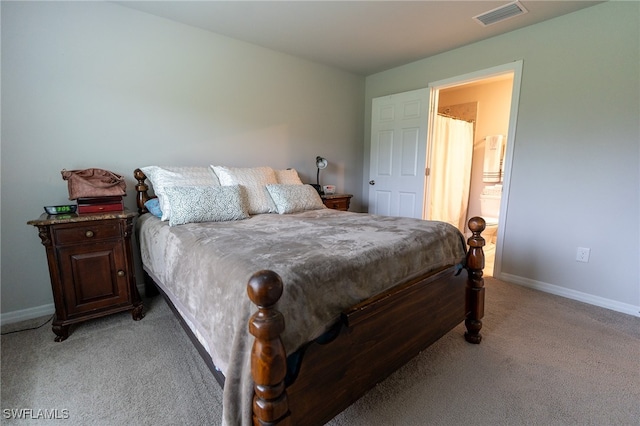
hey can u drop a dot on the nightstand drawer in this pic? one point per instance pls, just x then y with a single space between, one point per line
337 201
337 204
86 233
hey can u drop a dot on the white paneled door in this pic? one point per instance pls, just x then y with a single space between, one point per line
398 154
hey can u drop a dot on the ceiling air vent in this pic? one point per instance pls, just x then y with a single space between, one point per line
500 13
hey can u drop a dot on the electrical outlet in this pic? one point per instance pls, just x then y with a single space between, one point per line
582 254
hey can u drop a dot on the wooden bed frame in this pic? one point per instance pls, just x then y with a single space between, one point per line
372 340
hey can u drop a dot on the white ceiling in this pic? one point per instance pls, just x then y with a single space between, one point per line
363 37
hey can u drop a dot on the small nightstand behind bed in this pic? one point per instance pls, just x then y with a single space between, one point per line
337 201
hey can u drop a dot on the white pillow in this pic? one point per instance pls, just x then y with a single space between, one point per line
205 204
288 177
254 181
164 177
295 198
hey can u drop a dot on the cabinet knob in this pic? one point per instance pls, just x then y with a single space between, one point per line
372 182
88 234
121 273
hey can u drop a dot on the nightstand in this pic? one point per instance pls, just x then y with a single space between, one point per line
337 201
90 266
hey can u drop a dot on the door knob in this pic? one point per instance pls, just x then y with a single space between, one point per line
372 182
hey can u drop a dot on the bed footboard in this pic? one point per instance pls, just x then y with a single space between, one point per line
271 404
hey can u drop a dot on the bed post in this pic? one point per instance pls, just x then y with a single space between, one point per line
268 357
475 283
142 195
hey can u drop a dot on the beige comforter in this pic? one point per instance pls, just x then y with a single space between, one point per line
328 261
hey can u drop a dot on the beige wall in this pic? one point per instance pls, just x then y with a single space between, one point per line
575 178
95 84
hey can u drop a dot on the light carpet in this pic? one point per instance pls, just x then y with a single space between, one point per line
544 360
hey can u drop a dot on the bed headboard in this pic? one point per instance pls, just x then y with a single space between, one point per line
142 191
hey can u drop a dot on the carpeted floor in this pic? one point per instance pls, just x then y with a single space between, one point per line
544 360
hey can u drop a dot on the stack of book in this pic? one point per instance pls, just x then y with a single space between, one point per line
100 204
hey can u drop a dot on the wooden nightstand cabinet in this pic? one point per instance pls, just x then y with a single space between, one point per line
337 201
90 266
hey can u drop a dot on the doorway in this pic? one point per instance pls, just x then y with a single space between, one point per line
489 100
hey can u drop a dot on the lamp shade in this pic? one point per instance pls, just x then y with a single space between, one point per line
321 163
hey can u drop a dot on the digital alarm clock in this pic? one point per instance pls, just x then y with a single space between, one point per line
70 208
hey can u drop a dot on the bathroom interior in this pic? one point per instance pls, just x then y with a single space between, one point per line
486 104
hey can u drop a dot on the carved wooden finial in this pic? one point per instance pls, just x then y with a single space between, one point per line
265 288
475 257
475 283
142 194
477 225
139 175
268 357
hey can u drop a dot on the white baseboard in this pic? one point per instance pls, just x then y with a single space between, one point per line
27 314
37 311
613 305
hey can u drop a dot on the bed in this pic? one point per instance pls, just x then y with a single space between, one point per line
336 301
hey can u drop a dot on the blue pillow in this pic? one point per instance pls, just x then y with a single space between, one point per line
153 206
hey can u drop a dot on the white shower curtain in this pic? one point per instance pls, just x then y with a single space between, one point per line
450 175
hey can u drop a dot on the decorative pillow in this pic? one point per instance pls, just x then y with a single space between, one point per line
163 177
295 198
254 181
153 207
288 177
205 204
